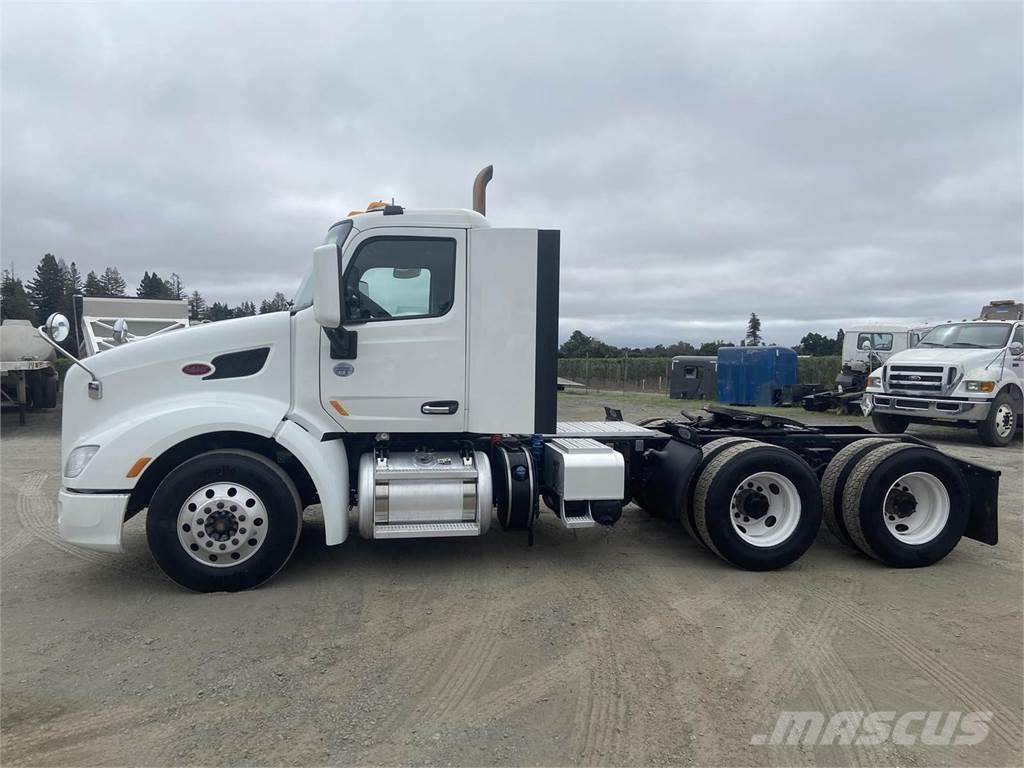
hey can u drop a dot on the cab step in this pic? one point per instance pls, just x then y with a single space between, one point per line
425 530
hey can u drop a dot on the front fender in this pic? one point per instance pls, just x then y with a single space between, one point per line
148 431
327 465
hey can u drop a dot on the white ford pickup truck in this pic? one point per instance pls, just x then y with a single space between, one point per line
967 373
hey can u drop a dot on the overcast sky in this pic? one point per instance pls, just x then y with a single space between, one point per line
820 164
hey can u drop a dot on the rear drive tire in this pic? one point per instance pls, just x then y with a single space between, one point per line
224 521
709 452
999 426
833 481
906 505
757 506
888 424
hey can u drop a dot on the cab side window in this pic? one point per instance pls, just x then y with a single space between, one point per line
400 278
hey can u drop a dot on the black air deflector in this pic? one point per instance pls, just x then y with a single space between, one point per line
236 364
545 388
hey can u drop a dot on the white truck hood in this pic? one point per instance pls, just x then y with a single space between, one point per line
966 357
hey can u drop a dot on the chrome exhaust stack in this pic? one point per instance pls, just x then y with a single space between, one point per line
480 190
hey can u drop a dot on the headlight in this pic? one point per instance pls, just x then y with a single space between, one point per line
78 458
874 381
980 386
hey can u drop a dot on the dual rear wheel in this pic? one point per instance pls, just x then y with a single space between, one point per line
904 504
755 505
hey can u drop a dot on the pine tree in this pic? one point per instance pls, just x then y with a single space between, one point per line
93 285
218 311
72 287
14 301
245 309
152 286
278 303
47 290
175 286
753 337
113 284
196 307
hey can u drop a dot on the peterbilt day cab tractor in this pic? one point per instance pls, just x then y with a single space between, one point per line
411 393
965 374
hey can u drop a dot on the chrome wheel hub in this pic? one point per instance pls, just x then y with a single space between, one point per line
222 524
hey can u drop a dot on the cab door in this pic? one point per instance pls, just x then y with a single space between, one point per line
404 296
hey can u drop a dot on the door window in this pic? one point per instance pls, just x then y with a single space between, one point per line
880 342
400 278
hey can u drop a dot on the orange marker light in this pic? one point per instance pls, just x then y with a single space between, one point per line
338 407
375 205
138 466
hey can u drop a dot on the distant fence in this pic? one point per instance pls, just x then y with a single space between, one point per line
651 374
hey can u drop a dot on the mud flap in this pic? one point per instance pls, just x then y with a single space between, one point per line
983 485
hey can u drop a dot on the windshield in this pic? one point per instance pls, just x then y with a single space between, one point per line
967 335
304 296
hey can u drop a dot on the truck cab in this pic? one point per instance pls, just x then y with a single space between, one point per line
966 373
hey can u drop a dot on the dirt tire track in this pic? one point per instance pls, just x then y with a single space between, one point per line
940 673
38 515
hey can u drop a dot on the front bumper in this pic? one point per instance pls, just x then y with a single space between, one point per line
91 520
927 407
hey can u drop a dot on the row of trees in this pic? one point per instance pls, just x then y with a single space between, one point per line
56 283
580 344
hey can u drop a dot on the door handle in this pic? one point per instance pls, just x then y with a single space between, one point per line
439 407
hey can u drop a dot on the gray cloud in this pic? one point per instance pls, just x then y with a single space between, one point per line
820 164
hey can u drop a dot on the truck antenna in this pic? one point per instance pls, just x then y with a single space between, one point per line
480 189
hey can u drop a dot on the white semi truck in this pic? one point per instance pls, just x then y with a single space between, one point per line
411 392
967 373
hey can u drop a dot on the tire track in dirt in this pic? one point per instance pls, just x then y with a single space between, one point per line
38 515
60 740
940 673
466 670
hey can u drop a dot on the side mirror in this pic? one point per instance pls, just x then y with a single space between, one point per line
57 327
866 346
1016 349
120 331
327 286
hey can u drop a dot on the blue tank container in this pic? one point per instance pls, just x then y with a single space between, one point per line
755 375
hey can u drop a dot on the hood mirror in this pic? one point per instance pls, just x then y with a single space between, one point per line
120 331
402 273
57 327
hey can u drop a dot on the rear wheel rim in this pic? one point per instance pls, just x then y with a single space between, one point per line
222 524
916 508
765 509
1004 420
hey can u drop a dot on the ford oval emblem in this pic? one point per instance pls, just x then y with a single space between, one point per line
344 369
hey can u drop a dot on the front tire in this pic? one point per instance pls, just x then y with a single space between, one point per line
888 424
757 506
1000 425
224 521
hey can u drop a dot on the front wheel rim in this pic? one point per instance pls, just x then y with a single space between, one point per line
916 508
222 524
765 509
1004 420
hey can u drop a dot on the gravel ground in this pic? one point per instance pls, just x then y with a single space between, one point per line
630 646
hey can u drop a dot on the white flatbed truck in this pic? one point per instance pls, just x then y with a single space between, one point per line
411 392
